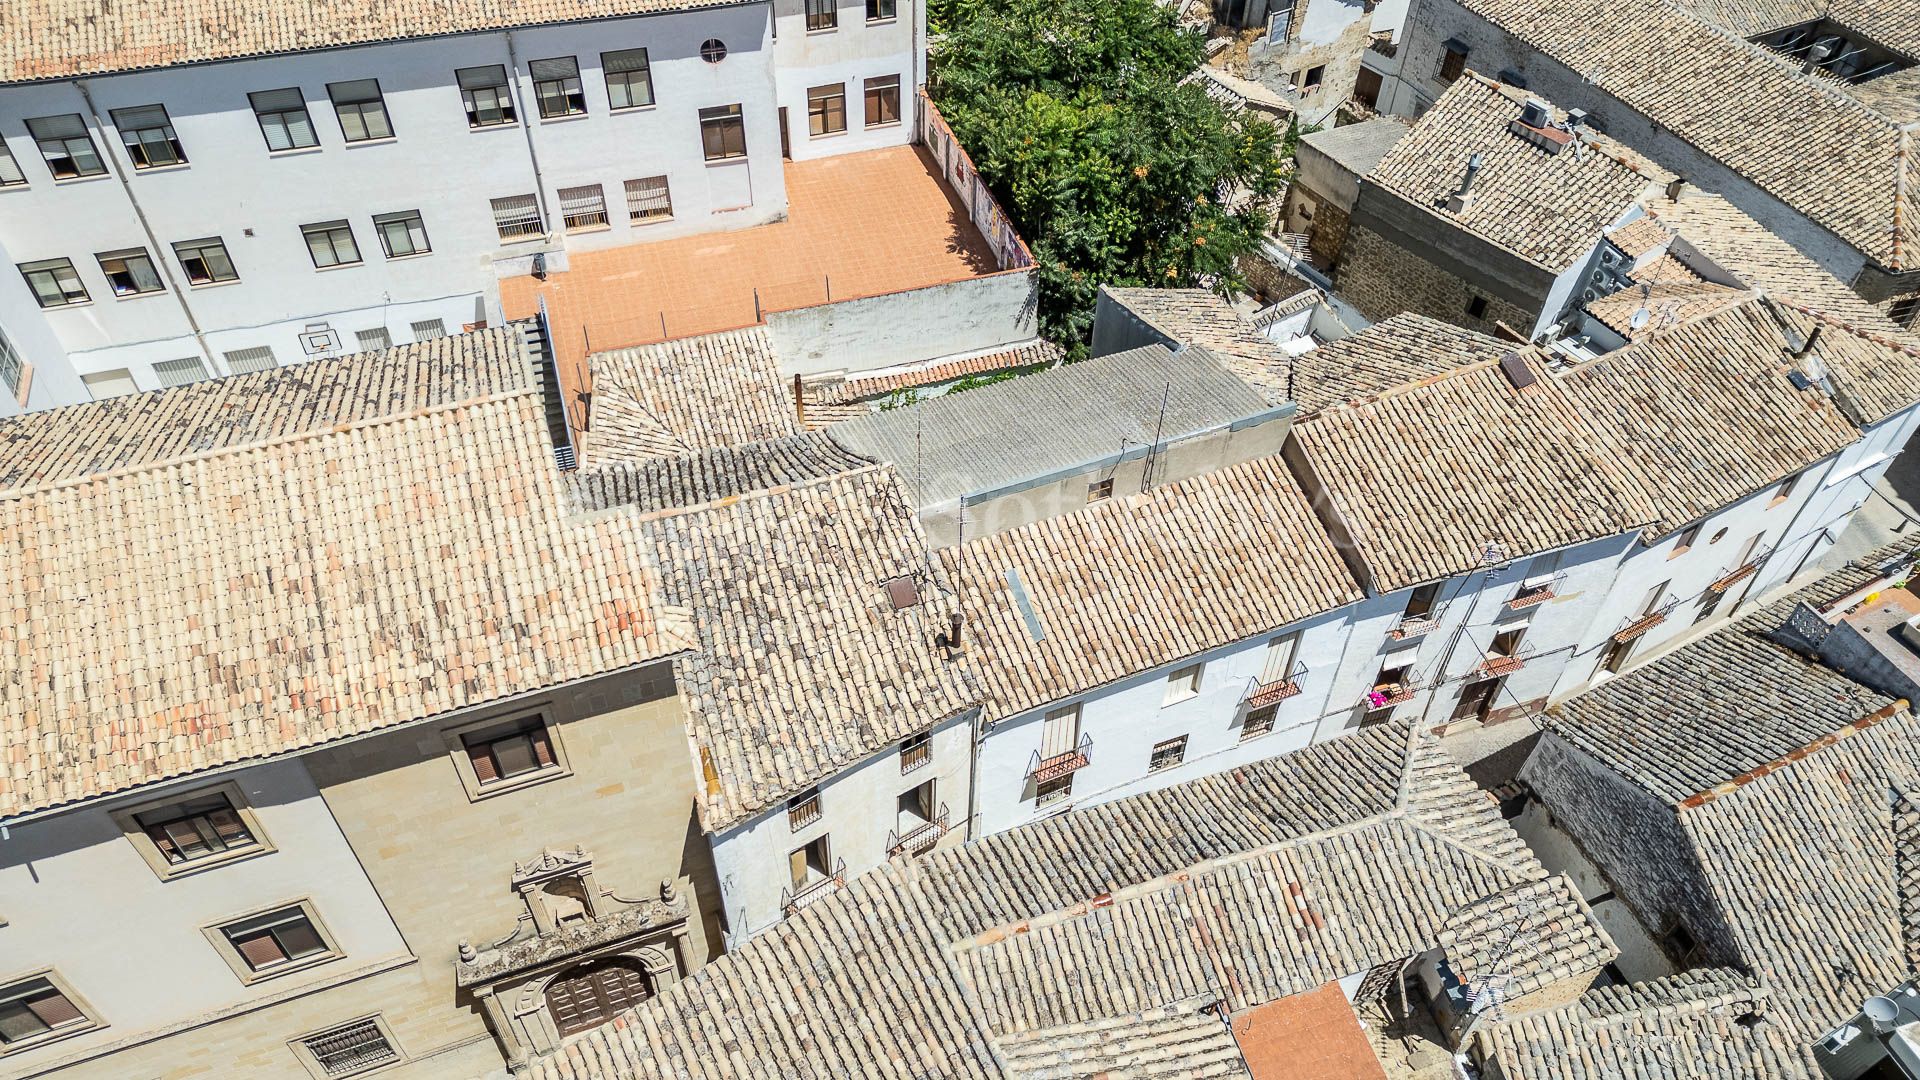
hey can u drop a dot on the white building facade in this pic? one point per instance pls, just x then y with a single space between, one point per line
204 220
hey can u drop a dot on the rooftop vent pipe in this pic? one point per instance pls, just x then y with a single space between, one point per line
1463 197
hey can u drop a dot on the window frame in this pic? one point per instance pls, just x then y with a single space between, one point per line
503 102
127 257
493 728
1784 489
821 110
1178 746
539 218
163 372
1053 792
891 7
227 358
260 116
1269 716
409 218
14 989
572 92
594 220
337 225
822 16
142 160
625 79
1183 683
128 819
216 933
876 89
11 175
726 120
180 247
439 329
66 143
311 1061
633 218
1453 62
381 339
51 266
1100 490
15 373
361 111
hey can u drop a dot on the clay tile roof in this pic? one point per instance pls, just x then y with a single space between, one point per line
806 566
1545 207
1745 106
957 445
1266 878
1438 477
1685 1025
1402 349
142 429
1201 317
1237 552
258 599
1177 1040
1668 291
51 39
830 401
663 483
689 394
1705 413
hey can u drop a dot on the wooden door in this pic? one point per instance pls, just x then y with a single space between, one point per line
1477 699
593 993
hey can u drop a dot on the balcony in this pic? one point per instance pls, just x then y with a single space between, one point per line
803 812
1740 573
1494 667
1275 691
1531 595
917 840
914 756
792 903
1388 694
1413 626
1641 625
1055 766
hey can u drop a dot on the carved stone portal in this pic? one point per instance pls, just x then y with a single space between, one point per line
577 956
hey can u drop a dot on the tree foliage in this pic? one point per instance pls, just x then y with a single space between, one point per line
1113 171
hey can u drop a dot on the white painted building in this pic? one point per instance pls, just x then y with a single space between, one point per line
205 219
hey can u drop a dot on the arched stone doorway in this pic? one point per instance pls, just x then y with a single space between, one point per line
590 994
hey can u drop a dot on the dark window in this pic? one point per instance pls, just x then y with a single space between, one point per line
1100 489
1453 63
330 243
1904 310
1312 81
283 119
1420 601
205 261
54 282
629 79
556 87
723 133
34 1008
402 233
148 134
361 109
195 829
880 10
1167 754
484 92
502 755
803 809
883 100
1259 722
915 751
822 14
65 144
827 109
130 272
275 939
1053 791
1477 307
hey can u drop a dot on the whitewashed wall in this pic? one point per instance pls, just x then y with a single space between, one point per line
850 53
857 812
144 973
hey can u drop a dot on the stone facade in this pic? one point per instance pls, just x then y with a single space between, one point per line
1331 35
1383 279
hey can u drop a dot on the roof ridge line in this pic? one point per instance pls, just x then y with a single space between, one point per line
64 482
729 500
1403 798
1760 772
1876 336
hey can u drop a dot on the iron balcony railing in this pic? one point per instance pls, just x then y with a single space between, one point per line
1260 695
803 813
1055 766
792 902
1413 626
1495 666
1388 694
1729 578
1529 595
1639 625
920 839
912 757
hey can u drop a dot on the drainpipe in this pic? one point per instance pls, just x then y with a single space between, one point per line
153 242
526 129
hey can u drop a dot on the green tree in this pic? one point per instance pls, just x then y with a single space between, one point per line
1112 169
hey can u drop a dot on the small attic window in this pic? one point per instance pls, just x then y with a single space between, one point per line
903 593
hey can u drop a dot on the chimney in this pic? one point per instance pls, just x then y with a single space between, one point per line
950 640
1816 55
1463 198
1676 188
1807 346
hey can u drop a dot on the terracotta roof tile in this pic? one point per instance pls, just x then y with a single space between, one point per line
1201 317
685 395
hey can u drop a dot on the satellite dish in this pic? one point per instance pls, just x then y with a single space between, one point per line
1881 1012
1640 319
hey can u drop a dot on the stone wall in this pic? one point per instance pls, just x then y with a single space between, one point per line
1383 279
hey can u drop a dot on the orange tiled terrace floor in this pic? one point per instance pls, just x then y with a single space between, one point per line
861 224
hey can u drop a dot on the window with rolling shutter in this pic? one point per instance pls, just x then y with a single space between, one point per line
39 1009
284 939
429 329
883 100
629 78
649 199
66 146
361 110
556 87
723 133
583 208
283 119
10 174
517 217
247 361
54 282
147 132
197 828
485 93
